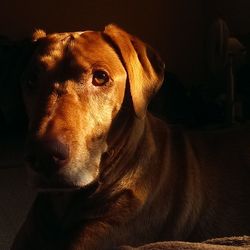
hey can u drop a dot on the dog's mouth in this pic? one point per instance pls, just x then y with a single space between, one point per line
44 184
58 181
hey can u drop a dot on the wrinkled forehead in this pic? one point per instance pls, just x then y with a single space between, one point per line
80 49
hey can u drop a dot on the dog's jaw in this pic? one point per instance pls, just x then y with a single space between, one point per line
63 183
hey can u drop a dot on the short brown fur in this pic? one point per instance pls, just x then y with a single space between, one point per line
129 178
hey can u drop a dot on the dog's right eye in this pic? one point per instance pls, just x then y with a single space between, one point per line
100 78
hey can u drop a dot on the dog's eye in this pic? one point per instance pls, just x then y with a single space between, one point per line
30 81
30 84
100 77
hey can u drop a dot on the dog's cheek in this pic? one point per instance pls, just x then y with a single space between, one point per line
95 125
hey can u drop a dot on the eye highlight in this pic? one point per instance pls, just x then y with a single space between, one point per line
31 82
100 77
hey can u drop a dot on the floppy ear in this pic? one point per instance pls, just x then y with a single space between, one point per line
144 67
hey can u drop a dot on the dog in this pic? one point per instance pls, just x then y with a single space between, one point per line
108 172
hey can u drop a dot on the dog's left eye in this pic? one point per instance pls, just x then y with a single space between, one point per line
31 82
100 78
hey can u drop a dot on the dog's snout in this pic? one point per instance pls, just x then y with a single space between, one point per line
57 151
49 155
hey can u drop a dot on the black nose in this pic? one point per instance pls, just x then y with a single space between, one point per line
48 155
56 151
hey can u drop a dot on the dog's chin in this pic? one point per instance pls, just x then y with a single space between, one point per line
58 183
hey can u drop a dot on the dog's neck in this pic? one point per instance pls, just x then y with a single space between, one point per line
126 138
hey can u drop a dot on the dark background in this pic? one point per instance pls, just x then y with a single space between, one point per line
177 28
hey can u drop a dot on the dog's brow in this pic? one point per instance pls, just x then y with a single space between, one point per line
69 38
73 35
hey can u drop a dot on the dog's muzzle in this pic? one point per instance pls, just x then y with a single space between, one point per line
48 157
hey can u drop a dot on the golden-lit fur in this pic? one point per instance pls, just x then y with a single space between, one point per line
129 177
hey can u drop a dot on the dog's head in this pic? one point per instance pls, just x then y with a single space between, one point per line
74 89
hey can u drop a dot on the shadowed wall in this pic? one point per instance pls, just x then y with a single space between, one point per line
174 28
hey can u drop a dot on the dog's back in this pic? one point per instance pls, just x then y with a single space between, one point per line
212 171
224 158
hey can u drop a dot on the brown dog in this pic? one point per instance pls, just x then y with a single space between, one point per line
108 172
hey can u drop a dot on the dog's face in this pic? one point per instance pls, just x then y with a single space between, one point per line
73 90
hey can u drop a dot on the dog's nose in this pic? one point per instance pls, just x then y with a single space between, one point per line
48 156
56 151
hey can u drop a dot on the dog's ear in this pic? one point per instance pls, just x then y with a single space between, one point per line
144 67
38 34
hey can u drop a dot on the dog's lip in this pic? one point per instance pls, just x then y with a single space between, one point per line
47 186
57 189
43 184
52 186
66 188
